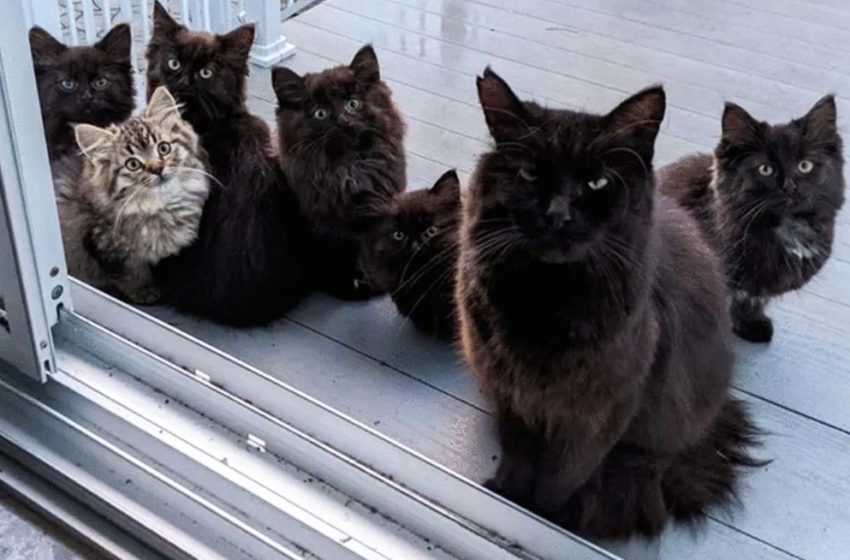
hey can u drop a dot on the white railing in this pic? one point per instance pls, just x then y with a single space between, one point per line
82 22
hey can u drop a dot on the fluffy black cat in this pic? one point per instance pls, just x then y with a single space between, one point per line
246 266
767 200
341 144
409 249
595 315
89 84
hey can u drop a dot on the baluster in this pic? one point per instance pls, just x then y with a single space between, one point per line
88 22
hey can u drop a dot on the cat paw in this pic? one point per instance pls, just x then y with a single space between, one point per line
759 329
148 295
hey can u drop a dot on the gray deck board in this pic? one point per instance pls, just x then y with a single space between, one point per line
776 57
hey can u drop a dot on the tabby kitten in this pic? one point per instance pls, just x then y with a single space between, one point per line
595 316
246 266
767 200
409 249
91 85
341 142
132 199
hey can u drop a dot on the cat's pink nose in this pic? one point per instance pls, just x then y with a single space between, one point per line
156 167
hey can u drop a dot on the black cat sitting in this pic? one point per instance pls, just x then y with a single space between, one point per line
410 248
767 201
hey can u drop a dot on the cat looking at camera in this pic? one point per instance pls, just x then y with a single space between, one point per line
86 84
133 198
594 314
767 200
341 141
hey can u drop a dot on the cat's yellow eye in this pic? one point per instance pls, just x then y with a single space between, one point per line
765 170
805 166
68 84
597 184
321 114
399 235
100 83
205 73
527 175
163 148
352 105
133 164
173 64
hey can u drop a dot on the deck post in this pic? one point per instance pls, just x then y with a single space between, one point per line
43 14
270 46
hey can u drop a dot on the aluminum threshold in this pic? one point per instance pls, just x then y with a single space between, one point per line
201 456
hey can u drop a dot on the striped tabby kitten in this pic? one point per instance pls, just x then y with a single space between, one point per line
133 198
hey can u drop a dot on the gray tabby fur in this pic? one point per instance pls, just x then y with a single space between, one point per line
118 218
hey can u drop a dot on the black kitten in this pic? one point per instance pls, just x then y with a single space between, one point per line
410 250
92 85
767 200
595 316
341 143
246 266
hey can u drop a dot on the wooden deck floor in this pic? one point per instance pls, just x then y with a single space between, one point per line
775 57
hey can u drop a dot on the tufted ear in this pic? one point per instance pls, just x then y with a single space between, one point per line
117 43
237 44
820 123
163 108
505 114
163 24
739 128
639 116
365 65
448 186
289 87
92 139
44 47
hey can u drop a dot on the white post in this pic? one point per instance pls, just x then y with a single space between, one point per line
270 46
43 14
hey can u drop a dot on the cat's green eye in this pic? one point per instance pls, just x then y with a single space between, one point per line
205 73
805 166
598 184
163 148
100 83
399 235
133 164
352 105
68 84
321 114
527 175
173 64
765 170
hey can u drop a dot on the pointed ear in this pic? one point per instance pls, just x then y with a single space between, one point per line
639 116
820 123
237 43
739 128
289 87
44 47
448 185
365 65
505 114
91 139
117 43
163 24
163 108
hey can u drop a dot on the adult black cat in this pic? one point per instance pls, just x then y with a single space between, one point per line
88 84
595 315
246 266
767 200
341 144
409 249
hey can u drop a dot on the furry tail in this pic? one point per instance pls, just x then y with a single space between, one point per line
634 492
707 474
